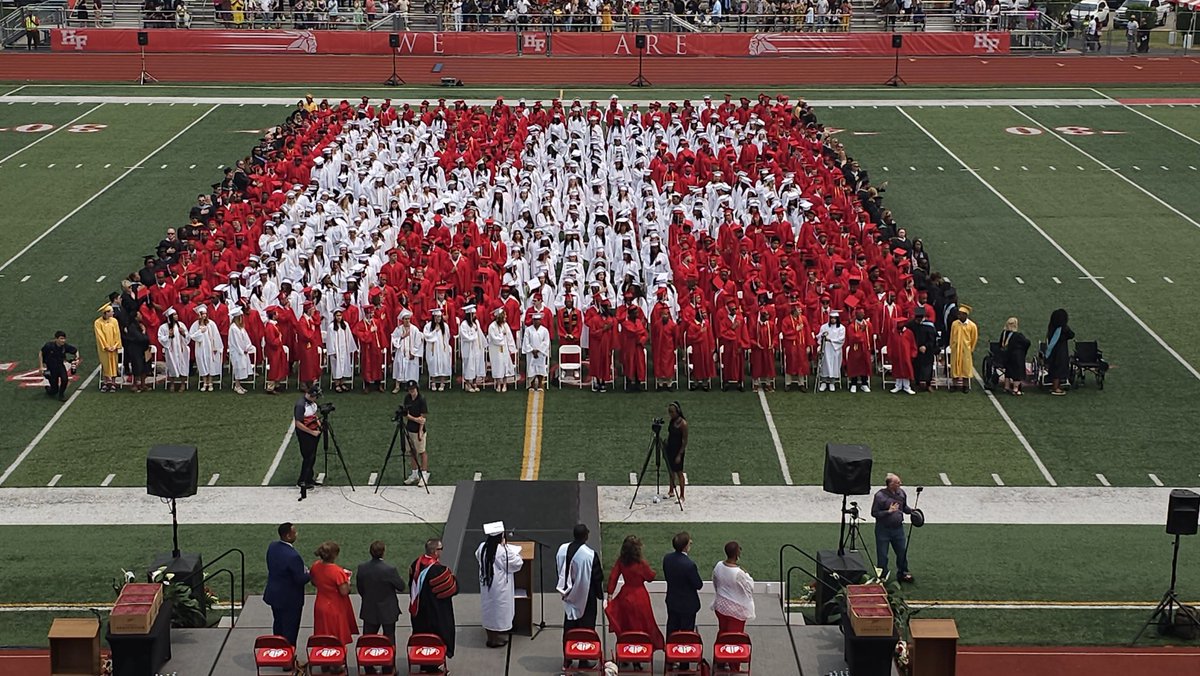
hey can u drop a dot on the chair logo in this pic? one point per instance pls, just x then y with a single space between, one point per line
74 39
635 649
274 653
428 651
729 649
583 646
329 652
534 43
987 43
684 649
377 652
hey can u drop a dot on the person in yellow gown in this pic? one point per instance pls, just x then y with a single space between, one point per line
964 334
108 342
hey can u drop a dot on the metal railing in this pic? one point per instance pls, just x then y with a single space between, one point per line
50 14
235 601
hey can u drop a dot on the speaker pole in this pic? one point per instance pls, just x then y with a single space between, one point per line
640 80
842 532
895 80
143 38
395 80
175 532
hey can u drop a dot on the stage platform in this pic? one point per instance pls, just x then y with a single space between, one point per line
780 650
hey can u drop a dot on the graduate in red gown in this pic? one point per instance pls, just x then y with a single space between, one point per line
664 341
372 339
733 340
308 342
859 339
698 335
630 609
277 360
633 347
797 344
332 615
602 334
764 339
901 351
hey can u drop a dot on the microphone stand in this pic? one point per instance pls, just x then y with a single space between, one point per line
541 570
908 535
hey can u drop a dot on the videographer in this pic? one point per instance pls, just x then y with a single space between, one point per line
308 433
676 447
414 410
52 359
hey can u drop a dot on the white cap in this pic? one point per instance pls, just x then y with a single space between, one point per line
493 528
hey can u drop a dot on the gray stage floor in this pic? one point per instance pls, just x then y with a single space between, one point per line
811 651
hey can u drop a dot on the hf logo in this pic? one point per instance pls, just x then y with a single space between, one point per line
987 43
534 42
74 39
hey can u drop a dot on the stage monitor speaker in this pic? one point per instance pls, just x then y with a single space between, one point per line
1183 512
897 41
847 469
172 471
143 38
393 40
849 569
639 41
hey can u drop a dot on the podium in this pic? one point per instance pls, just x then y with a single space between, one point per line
934 646
74 646
523 589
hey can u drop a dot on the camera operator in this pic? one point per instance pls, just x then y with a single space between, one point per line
52 359
308 433
415 409
676 447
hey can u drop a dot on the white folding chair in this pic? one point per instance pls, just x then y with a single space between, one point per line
153 366
575 366
885 367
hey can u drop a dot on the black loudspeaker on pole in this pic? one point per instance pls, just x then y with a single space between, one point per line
895 80
394 44
1171 614
639 42
143 39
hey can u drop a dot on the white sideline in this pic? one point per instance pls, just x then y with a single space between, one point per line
52 133
783 463
287 439
1037 460
1155 121
105 189
1078 266
46 428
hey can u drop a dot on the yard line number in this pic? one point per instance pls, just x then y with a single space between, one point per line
41 127
1069 130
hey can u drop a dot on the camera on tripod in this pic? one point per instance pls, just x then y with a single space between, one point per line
852 511
400 414
657 424
326 408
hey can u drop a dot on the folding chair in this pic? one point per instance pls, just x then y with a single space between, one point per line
581 645
634 648
731 652
153 366
426 650
120 383
275 654
684 654
885 368
573 365
326 651
375 650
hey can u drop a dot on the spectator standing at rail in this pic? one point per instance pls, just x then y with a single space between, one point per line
33 33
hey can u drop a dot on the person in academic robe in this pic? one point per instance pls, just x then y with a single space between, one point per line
632 338
698 336
497 560
431 589
241 350
859 341
1058 356
629 607
137 348
502 351
580 583
925 336
1013 348
341 346
108 345
408 344
796 343
472 345
439 355
664 346
176 349
964 335
208 348
308 344
602 334
901 350
830 340
332 613
732 341
535 345
274 349
763 341
372 348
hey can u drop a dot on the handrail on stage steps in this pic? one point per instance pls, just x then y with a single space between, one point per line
234 601
785 578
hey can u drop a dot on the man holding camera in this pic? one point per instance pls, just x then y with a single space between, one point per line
52 359
308 433
415 410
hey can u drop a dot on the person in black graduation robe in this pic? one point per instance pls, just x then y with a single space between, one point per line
136 343
926 338
432 587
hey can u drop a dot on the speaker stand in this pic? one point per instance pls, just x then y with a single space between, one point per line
895 80
174 530
145 78
1170 605
640 80
395 80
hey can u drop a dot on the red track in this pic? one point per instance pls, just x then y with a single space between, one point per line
662 71
980 661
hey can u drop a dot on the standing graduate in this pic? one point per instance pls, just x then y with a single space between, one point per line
859 347
407 345
175 343
535 345
633 347
439 356
209 349
1058 356
241 350
796 344
108 343
964 335
372 345
339 341
664 345
497 560
274 349
472 344
763 340
830 338
698 337
308 344
602 334
137 346
732 340
901 350
502 351
925 336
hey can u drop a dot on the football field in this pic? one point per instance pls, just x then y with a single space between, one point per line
1027 199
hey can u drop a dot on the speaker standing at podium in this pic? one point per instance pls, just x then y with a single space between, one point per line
888 510
498 560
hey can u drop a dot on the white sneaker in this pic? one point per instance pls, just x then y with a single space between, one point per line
866 388
895 389
909 390
821 387
833 387
425 476
412 478
853 389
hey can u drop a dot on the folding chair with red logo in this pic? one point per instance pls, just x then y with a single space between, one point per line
426 650
579 646
635 649
326 652
274 652
375 650
731 653
684 654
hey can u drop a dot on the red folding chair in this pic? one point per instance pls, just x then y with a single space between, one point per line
375 650
426 650
326 652
274 652
731 652
581 645
635 649
684 653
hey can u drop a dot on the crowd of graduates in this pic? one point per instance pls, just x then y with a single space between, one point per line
685 242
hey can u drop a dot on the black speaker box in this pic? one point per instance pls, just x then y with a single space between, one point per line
172 471
847 469
143 38
639 41
187 570
849 569
393 40
1183 512
897 41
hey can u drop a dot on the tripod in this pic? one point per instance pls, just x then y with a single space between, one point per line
655 450
327 435
395 80
640 80
144 77
1170 606
405 451
895 80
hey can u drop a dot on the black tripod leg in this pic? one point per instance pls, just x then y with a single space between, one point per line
386 458
642 475
342 458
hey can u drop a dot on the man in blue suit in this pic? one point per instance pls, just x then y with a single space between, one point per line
286 580
683 586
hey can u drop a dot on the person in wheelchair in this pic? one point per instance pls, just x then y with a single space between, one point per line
1013 347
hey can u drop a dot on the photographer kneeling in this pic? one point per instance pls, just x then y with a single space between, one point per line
414 410
308 433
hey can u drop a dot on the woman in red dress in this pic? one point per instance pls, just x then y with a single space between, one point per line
333 614
630 609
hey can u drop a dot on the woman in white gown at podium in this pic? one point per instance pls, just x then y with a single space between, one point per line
498 560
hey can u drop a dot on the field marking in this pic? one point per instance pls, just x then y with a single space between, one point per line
100 278
945 479
1155 480
287 439
531 458
10 93
582 476
54 481
1045 235
1116 173
103 190
477 477
49 424
633 478
1161 124
1019 280
737 478
783 464
108 480
62 279
997 479
1103 480
52 133
373 478
25 278
212 481
320 478
1131 280
983 280
1056 280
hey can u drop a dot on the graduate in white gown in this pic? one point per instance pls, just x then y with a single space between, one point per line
407 344
241 349
472 343
439 356
209 348
340 343
535 345
498 560
830 338
502 352
176 347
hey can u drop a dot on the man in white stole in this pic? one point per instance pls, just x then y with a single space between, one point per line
580 582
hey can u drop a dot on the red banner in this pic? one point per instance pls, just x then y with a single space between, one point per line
505 44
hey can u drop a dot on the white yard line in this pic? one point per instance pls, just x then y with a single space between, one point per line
1161 124
1103 480
1116 173
212 481
783 464
1078 266
533 443
103 190
287 439
10 93
46 136
1012 426
1155 480
108 480
997 479
373 478
945 479
47 427
54 480
582 476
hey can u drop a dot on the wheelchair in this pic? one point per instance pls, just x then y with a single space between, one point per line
993 366
1088 358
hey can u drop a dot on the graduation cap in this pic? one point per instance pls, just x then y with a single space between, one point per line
493 528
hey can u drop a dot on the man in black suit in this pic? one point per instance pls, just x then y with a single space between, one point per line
378 584
286 580
683 586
